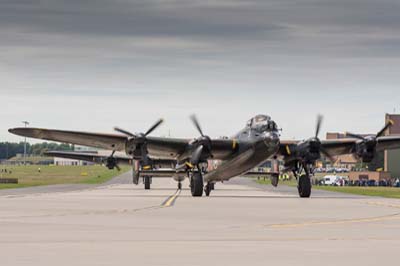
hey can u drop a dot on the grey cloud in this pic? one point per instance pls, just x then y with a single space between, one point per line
142 18
130 48
279 27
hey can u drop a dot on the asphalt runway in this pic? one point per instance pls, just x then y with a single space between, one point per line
242 223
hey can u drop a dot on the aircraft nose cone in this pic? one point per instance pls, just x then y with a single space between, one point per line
271 139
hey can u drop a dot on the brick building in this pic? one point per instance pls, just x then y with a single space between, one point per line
392 157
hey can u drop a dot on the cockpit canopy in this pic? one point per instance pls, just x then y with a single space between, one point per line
262 123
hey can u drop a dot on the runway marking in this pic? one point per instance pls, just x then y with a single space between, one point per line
384 204
169 202
171 199
394 216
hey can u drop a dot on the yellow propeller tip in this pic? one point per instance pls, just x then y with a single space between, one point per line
288 150
189 164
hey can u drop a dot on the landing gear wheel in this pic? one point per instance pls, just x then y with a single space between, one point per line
147 182
304 186
180 186
207 188
196 184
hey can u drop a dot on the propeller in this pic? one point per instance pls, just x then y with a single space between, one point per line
111 162
366 148
139 141
196 124
321 149
204 144
318 125
125 132
326 153
151 129
379 134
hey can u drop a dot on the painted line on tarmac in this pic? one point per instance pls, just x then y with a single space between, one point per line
170 201
384 204
394 216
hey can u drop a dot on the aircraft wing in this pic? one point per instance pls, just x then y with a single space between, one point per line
89 157
98 140
346 146
158 147
388 143
336 147
339 146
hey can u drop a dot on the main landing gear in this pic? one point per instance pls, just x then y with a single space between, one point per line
304 186
303 180
196 184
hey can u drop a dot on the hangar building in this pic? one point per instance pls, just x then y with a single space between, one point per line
392 157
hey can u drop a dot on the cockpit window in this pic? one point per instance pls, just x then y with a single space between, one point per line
262 123
272 125
261 118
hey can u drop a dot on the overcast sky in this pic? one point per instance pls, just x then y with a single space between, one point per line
92 65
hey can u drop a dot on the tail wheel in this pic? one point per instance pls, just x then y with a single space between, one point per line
147 182
304 186
196 185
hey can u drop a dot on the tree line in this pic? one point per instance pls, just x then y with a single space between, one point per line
10 149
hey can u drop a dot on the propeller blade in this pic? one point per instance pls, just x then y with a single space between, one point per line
197 125
382 131
156 125
318 125
123 131
326 153
196 155
354 136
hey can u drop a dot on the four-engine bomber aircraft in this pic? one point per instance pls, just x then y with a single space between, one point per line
181 158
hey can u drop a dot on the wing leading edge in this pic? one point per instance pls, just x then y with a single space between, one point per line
98 140
337 147
158 147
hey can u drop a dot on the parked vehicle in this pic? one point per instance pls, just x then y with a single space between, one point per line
383 183
330 180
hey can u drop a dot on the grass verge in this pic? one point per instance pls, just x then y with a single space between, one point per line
386 192
50 175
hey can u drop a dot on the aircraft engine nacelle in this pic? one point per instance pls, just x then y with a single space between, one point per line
308 151
137 148
111 162
366 150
